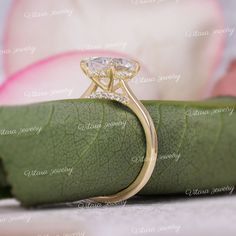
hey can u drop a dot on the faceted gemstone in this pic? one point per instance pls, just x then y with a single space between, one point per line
121 68
98 66
111 96
125 68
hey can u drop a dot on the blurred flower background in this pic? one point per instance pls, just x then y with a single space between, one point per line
184 46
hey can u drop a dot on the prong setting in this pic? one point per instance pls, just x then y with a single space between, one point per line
107 74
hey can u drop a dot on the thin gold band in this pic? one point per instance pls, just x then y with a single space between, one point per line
128 98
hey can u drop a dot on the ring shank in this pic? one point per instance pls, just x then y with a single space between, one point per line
151 147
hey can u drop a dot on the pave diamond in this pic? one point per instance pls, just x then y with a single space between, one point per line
100 67
110 96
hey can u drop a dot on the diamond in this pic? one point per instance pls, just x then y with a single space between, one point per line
125 68
107 74
100 67
97 66
111 96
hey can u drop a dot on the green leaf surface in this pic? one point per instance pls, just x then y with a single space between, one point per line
69 150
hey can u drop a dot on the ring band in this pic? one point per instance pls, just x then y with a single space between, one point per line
109 81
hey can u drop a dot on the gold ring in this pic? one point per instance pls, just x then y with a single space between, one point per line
109 81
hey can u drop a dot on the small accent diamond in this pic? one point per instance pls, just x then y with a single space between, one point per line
111 96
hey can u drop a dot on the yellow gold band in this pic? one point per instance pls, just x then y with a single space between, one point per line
109 76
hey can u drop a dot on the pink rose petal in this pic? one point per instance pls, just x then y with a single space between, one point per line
227 85
58 77
160 34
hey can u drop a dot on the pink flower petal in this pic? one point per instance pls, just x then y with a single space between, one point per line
227 85
55 78
160 33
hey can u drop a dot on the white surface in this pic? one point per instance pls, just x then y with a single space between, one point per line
170 216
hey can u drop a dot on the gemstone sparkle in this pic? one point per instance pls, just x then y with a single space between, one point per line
102 66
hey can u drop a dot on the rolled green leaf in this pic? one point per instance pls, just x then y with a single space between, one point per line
69 150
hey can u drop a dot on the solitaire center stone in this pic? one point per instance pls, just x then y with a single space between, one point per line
101 67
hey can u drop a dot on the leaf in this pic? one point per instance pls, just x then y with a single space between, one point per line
76 149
